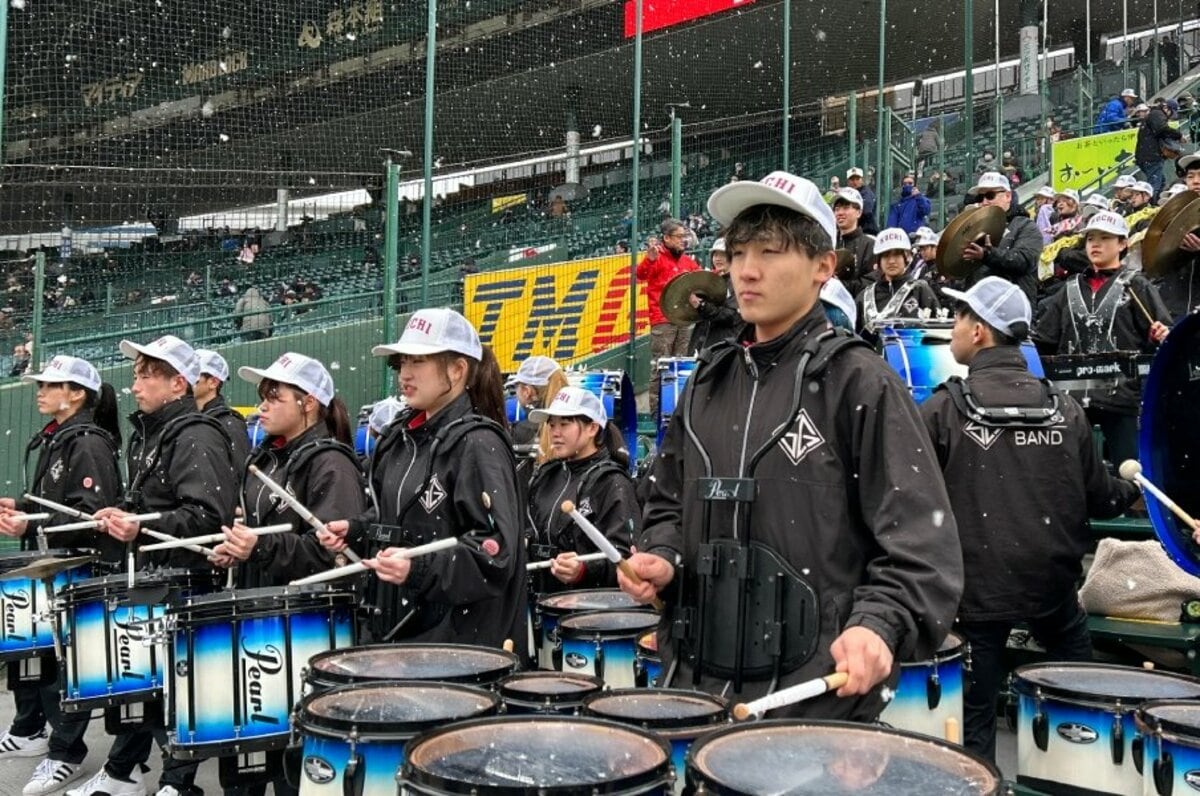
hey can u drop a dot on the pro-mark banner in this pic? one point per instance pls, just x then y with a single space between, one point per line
566 311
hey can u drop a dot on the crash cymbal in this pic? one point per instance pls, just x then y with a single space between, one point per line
968 226
46 568
1160 247
845 264
674 300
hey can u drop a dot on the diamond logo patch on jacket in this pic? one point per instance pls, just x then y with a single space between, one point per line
982 436
435 493
804 440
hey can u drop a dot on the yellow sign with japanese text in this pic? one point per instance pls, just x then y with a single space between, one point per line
1079 161
502 203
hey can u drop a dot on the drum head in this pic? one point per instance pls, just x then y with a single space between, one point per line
389 709
607 623
658 708
1178 717
546 755
119 584
823 758
275 600
1088 683
447 663
551 687
570 602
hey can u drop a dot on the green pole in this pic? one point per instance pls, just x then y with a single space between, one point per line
39 292
391 263
427 169
852 126
787 83
942 172
631 354
676 165
3 63
108 298
881 186
998 117
968 85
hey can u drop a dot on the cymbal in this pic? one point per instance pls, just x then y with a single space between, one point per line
967 227
674 300
845 264
46 568
1160 247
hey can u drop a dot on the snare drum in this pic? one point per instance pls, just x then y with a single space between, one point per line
1170 755
446 663
602 643
237 658
545 755
1075 723
614 388
673 376
676 715
354 736
551 608
832 758
28 627
921 355
647 663
547 692
112 657
930 692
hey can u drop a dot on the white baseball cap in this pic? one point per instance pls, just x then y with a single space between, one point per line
1129 93
432 331
1070 193
297 370
835 293
777 188
169 349
848 195
536 371
213 364
1107 221
1143 187
1186 161
854 172
384 412
927 238
999 302
1124 181
573 402
63 369
1096 199
718 245
1141 107
891 239
1171 193
1046 192
990 181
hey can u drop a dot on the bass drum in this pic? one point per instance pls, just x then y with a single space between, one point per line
1170 438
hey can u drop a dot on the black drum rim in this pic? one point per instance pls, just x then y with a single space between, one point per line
592 686
549 609
319 677
1126 703
1161 725
90 589
308 723
567 630
718 716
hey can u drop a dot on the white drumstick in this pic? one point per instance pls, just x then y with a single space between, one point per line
41 515
546 564
89 524
59 507
1131 470
189 544
356 568
214 537
790 696
605 546
297 506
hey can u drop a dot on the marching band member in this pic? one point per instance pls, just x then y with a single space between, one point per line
895 294
445 469
76 466
214 372
719 320
1015 256
538 379
1180 288
590 468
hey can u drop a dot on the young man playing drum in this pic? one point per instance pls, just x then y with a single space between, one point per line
797 522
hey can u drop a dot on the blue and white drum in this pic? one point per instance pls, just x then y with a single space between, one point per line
676 715
832 759
930 692
547 692
112 655
446 663
354 736
28 627
603 643
673 373
544 755
1075 724
237 658
614 388
921 355
1170 755
647 665
551 608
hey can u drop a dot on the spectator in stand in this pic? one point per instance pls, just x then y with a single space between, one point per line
847 211
835 185
21 359
1011 168
869 221
739 172
1042 211
1154 135
1121 188
1139 114
985 162
1115 113
928 144
663 262
255 323
1015 256
912 209
1066 205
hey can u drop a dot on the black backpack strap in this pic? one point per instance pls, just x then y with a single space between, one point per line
1048 414
171 431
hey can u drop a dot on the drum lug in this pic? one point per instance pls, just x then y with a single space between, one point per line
1118 741
1041 730
933 689
1164 773
354 777
639 673
598 661
557 654
1137 751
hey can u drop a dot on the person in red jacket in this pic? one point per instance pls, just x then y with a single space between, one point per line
663 262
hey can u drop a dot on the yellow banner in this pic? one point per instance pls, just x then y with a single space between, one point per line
566 311
501 203
1078 161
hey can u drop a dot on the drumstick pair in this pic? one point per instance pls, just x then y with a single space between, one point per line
73 512
606 547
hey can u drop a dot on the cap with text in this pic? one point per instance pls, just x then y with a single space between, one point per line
434 331
778 188
572 402
304 373
1107 221
891 239
64 369
990 182
169 349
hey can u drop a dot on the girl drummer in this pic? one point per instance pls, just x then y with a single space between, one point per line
537 380
443 470
77 467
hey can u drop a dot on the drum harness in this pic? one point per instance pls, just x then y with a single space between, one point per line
1048 414
764 587
871 312
1096 334
540 550
59 439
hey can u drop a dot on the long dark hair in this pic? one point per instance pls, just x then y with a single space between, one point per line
103 404
485 383
337 420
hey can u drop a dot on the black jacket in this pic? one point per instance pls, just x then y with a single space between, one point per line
235 427
863 247
76 466
1153 131
718 321
427 483
845 497
922 297
1021 497
325 477
607 499
1015 257
186 473
1180 288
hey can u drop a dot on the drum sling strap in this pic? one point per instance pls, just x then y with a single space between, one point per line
299 460
1048 414
133 495
755 616
871 312
1092 328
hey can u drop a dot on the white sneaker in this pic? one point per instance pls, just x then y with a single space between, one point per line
167 790
104 784
51 776
22 746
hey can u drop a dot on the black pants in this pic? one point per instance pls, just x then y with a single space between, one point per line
1063 632
132 749
38 704
282 788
